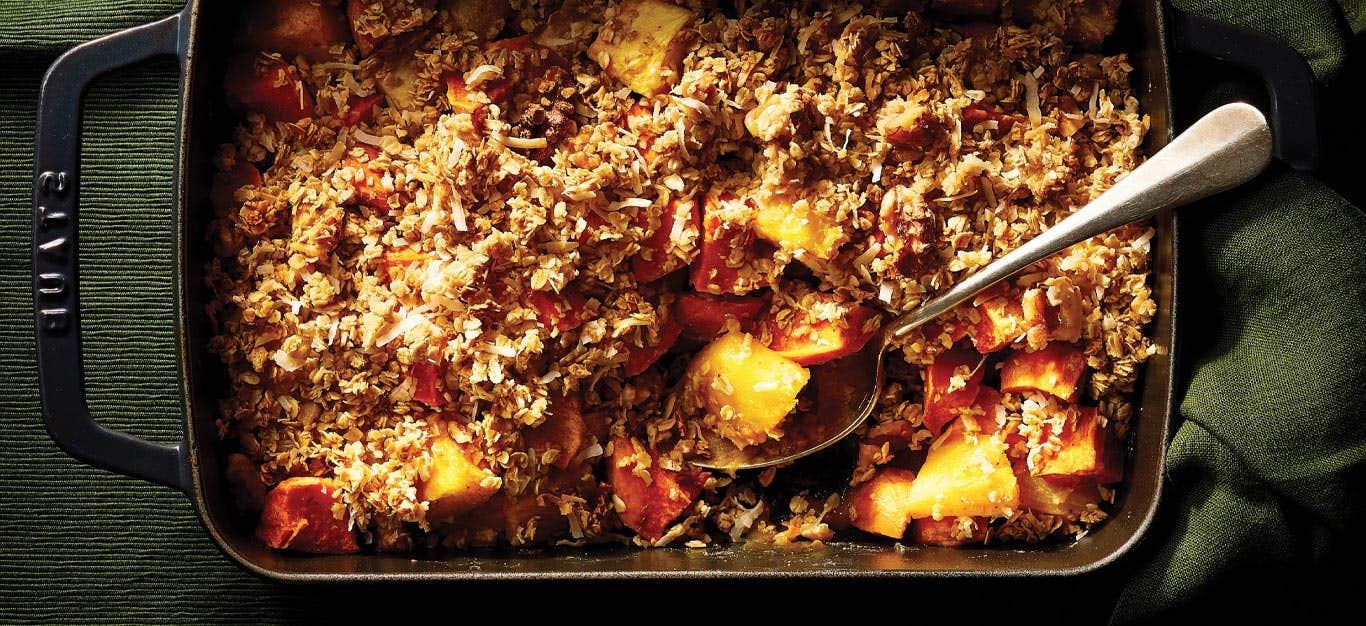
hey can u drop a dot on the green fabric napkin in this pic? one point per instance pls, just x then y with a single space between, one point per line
1266 468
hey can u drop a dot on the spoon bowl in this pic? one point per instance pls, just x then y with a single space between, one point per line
1226 148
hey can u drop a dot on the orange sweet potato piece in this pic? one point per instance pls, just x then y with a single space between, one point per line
1000 322
727 247
704 315
948 531
1062 320
810 341
267 85
244 481
361 109
640 359
298 516
374 22
941 404
562 431
1056 369
649 507
368 180
879 506
1089 450
225 185
294 27
429 382
560 311
672 244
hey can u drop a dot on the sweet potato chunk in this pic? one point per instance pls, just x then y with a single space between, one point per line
802 335
360 109
371 181
310 28
429 384
1000 322
267 85
672 244
640 359
726 262
643 44
796 225
374 22
1089 450
649 505
456 483
949 531
223 194
943 397
965 474
1056 369
1055 312
561 432
244 481
881 505
559 311
705 316
746 389
298 516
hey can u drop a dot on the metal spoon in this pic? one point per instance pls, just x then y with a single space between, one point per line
1225 148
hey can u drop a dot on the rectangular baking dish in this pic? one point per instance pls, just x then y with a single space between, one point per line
1147 32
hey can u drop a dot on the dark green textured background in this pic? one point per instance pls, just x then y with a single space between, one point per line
1265 508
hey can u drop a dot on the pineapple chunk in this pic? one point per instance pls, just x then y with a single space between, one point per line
1066 498
965 474
880 506
746 389
456 483
795 224
643 44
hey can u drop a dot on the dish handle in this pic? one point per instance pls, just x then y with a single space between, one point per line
57 313
1289 81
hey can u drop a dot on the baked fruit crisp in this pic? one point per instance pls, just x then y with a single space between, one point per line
486 272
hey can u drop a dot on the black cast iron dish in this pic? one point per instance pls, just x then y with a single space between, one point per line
1147 32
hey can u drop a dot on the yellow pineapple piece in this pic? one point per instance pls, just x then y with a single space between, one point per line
456 483
794 224
965 474
643 44
746 388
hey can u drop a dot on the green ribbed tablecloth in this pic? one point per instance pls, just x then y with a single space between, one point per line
1265 504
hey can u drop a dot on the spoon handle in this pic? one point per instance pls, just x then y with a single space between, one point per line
1225 148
